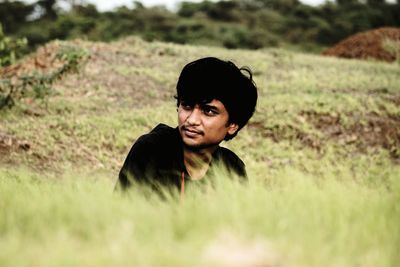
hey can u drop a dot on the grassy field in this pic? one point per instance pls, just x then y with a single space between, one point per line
322 153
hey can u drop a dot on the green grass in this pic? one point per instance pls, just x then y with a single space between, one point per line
314 198
306 220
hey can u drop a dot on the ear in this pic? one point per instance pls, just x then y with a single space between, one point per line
232 128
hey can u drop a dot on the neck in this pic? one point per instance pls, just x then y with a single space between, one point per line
197 161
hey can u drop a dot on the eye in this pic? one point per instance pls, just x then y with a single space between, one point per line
186 106
209 111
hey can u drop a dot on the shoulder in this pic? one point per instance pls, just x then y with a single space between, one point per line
232 161
159 135
149 153
151 145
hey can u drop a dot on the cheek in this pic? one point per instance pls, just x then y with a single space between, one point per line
214 125
181 117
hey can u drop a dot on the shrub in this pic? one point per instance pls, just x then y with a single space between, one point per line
10 49
37 85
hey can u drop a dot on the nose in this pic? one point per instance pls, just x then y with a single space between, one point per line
194 116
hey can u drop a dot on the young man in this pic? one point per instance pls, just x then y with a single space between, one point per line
215 100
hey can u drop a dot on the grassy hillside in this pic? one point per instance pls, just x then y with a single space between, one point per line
322 152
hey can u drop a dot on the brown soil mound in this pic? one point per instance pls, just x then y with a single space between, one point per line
369 44
44 60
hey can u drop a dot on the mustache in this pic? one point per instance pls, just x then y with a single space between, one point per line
191 129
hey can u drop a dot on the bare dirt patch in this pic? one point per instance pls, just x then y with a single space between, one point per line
278 133
363 131
43 61
364 45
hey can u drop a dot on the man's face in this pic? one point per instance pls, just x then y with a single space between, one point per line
204 125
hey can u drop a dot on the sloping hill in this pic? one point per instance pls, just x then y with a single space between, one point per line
308 104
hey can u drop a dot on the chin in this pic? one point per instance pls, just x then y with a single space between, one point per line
197 146
193 145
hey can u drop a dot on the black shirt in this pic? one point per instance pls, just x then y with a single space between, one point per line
156 159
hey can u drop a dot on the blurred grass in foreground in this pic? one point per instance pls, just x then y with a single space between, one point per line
305 220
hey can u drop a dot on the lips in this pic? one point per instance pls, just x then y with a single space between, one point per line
191 132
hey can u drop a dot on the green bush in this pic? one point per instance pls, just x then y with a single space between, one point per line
10 49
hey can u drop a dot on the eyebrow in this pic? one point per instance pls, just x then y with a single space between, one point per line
209 106
203 104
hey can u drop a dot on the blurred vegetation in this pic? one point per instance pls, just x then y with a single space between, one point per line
303 221
10 48
233 24
393 47
38 85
